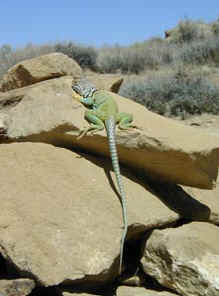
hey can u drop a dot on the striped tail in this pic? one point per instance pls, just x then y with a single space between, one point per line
110 129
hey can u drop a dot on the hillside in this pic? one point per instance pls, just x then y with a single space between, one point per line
176 76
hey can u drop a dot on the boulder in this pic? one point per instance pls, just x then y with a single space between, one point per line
16 287
163 149
133 281
185 259
209 198
38 69
77 294
127 291
189 202
40 108
61 217
110 82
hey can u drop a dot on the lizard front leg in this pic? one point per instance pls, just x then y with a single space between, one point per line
96 124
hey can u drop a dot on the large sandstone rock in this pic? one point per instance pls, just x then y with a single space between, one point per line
164 149
16 287
210 198
41 68
111 82
78 294
40 108
127 291
191 203
61 218
185 259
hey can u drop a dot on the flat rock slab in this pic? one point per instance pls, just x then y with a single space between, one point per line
209 198
77 294
41 68
60 217
127 291
164 149
185 259
16 287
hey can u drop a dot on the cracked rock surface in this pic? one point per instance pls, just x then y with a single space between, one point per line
185 259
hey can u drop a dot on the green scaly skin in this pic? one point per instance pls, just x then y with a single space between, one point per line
104 113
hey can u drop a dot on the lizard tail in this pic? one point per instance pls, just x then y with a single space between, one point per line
110 129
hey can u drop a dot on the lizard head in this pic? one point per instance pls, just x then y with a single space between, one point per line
84 88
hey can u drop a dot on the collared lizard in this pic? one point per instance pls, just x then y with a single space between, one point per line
104 113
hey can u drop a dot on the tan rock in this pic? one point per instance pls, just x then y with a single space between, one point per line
127 291
208 198
111 82
16 287
116 85
191 203
77 294
133 281
60 217
164 149
41 68
185 259
39 108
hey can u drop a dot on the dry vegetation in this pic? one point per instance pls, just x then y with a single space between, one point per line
169 76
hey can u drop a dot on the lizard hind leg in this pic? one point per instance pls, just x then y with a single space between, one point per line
95 124
124 121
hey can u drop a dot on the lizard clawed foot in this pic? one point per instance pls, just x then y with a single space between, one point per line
138 127
130 128
86 131
82 133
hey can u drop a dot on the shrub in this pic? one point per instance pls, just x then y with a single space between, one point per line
6 60
84 56
215 27
156 52
125 60
200 52
188 31
136 58
176 94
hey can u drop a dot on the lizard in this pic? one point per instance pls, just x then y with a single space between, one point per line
103 113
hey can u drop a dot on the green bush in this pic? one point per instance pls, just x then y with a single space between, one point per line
122 59
156 52
84 56
6 58
200 52
136 58
188 31
176 94
215 27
